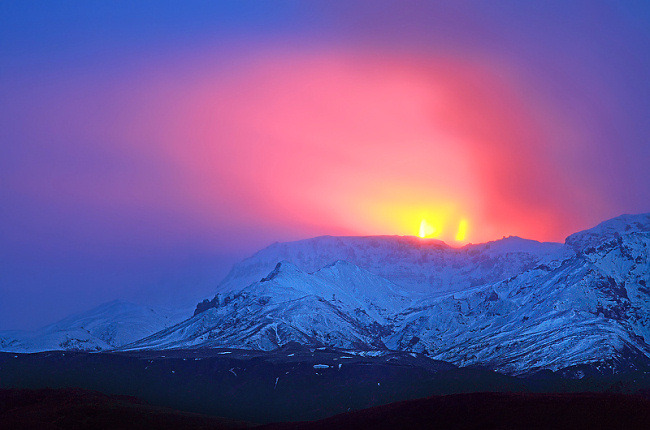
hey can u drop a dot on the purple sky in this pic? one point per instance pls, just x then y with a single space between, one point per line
147 146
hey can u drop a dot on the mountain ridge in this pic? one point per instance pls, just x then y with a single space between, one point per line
514 305
530 306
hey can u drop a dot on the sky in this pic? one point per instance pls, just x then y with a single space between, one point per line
146 146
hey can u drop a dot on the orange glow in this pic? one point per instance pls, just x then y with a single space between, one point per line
462 230
426 230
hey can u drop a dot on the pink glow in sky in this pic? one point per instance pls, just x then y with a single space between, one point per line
335 142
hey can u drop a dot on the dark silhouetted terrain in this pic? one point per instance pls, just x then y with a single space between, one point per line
509 411
74 408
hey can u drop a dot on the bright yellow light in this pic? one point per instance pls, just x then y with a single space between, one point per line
401 216
462 230
426 229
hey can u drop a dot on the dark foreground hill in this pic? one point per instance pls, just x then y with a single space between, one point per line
73 408
495 411
291 384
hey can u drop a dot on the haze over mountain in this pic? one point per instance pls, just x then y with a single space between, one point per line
105 327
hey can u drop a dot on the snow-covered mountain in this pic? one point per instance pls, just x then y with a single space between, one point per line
105 327
419 265
513 304
340 305
608 230
593 307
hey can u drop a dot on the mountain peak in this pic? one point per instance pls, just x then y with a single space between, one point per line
282 267
608 230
